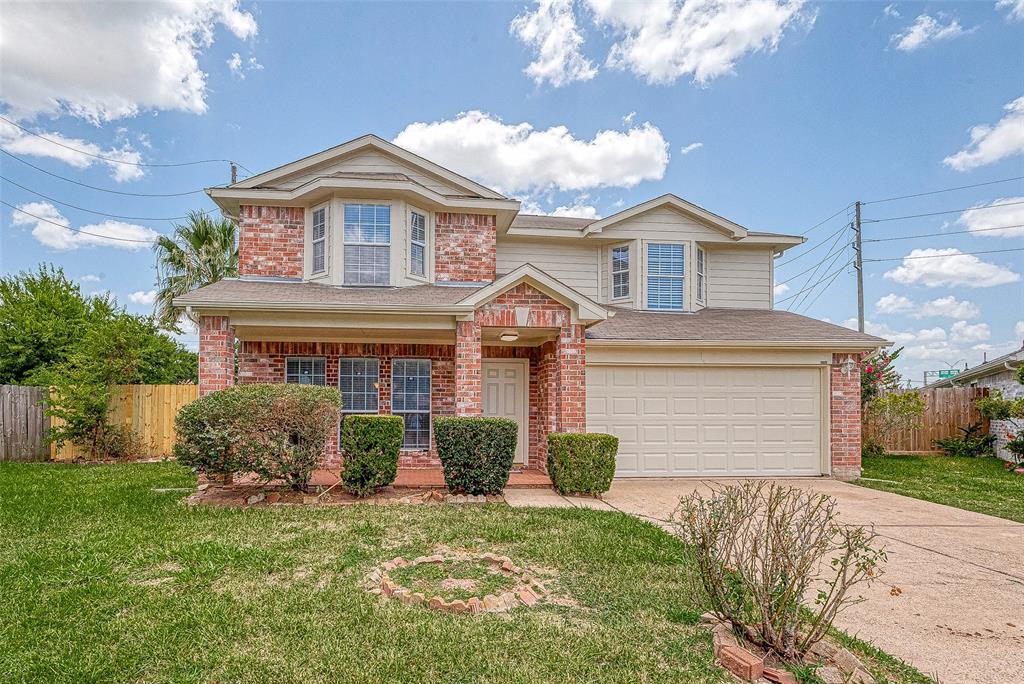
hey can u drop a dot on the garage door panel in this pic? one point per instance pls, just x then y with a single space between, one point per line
709 421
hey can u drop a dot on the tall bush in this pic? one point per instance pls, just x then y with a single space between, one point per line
275 431
370 445
476 452
890 413
582 463
760 549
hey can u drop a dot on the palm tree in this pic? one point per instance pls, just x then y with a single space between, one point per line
200 252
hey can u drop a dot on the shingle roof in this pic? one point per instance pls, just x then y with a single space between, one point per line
724 325
996 365
234 290
553 222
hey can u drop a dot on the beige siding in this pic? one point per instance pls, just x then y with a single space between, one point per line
372 161
666 224
739 277
574 262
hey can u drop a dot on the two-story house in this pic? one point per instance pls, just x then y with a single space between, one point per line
421 293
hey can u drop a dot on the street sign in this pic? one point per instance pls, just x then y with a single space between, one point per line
943 374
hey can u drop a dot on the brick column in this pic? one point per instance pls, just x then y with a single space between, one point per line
845 418
572 379
468 379
216 354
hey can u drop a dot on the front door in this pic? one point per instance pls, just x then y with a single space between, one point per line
504 390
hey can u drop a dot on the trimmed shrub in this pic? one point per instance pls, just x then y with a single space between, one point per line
370 445
476 452
582 463
276 431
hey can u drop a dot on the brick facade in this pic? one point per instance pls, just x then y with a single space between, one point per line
845 418
216 354
504 311
468 371
465 247
572 379
271 241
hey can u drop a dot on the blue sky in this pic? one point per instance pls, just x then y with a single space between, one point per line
774 114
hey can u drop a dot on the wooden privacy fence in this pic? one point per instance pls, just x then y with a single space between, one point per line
948 410
147 410
23 424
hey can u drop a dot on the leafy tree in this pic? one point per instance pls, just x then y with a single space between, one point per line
890 413
877 374
42 316
201 251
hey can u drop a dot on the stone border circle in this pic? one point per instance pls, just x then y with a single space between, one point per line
528 590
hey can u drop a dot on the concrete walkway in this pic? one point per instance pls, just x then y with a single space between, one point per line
958 614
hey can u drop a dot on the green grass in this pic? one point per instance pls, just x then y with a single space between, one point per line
973 484
102 578
429 579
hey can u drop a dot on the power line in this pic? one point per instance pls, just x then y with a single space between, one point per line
954 232
822 290
118 161
823 222
835 254
797 294
936 192
948 211
75 230
94 187
820 244
100 213
824 259
939 256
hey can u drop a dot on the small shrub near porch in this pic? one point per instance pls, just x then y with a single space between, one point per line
276 431
582 463
370 445
476 453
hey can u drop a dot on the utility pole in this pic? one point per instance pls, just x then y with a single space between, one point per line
234 176
859 265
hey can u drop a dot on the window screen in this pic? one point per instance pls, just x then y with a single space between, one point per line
305 371
620 272
358 383
319 239
418 244
664 276
367 244
410 398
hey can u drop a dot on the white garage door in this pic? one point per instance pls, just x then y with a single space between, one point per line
708 421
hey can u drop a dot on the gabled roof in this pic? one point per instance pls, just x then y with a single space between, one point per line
585 309
734 230
993 367
358 144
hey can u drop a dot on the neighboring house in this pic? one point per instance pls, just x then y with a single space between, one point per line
997 374
419 292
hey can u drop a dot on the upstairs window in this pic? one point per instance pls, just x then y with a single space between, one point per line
305 370
320 240
367 244
417 244
620 272
702 282
410 398
665 276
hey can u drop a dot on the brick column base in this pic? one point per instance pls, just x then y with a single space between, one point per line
216 354
572 379
468 369
845 417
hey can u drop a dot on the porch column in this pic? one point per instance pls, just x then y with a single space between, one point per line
572 379
216 354
845 418
468 358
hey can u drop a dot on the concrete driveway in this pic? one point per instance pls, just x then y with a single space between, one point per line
959 612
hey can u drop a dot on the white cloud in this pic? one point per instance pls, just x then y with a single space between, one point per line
17 141
1018 329
691 147
949 267
663 40
239 67
1000 218
90 278
519 158
106 60
1014 8
962 331
146 297
947 307
578 209
894 304
990 144
107 234
926 29
556 40
628 119
891 11
780 289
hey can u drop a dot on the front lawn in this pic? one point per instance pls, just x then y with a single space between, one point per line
973 484
104 576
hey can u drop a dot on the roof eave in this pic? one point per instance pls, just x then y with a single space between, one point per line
830 345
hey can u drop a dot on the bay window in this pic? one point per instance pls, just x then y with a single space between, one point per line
702 282
319 240
367 244
417 243
665 276
620 272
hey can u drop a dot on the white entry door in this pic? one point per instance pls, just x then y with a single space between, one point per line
504 390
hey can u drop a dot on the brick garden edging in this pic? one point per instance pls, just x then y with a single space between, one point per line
527 591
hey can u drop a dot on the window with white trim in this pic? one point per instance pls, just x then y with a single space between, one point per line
367 244
319 240
410 398
305 370
620 272
702 282
359 384
665 276
417 243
